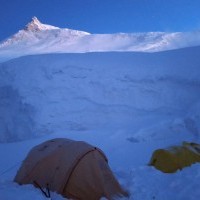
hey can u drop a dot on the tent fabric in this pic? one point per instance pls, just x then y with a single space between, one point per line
74 169
176 157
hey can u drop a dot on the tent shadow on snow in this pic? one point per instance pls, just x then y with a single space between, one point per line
175 158
73 169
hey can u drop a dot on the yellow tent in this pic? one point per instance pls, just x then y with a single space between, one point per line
176 157
73 169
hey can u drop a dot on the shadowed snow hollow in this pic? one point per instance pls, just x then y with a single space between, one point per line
16 117
144 95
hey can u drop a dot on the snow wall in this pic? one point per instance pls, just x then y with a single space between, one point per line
145 95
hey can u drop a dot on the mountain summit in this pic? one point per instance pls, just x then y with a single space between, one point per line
39 38
36 25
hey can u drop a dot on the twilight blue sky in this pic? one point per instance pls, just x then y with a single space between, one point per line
102 16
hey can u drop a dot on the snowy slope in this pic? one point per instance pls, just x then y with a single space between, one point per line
38 38
124 92
128 104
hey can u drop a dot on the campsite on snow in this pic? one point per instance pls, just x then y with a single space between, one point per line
125 107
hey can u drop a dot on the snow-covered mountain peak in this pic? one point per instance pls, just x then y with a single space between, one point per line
39 38
36 25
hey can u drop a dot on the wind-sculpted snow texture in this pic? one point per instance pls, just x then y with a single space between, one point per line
144 95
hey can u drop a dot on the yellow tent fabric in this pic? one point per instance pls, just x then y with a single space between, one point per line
74 169
176 157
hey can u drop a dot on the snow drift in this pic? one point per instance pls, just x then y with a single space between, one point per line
143 95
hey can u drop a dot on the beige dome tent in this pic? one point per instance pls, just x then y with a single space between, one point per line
176 157
73 169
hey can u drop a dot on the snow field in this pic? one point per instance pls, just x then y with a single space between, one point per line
128 104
